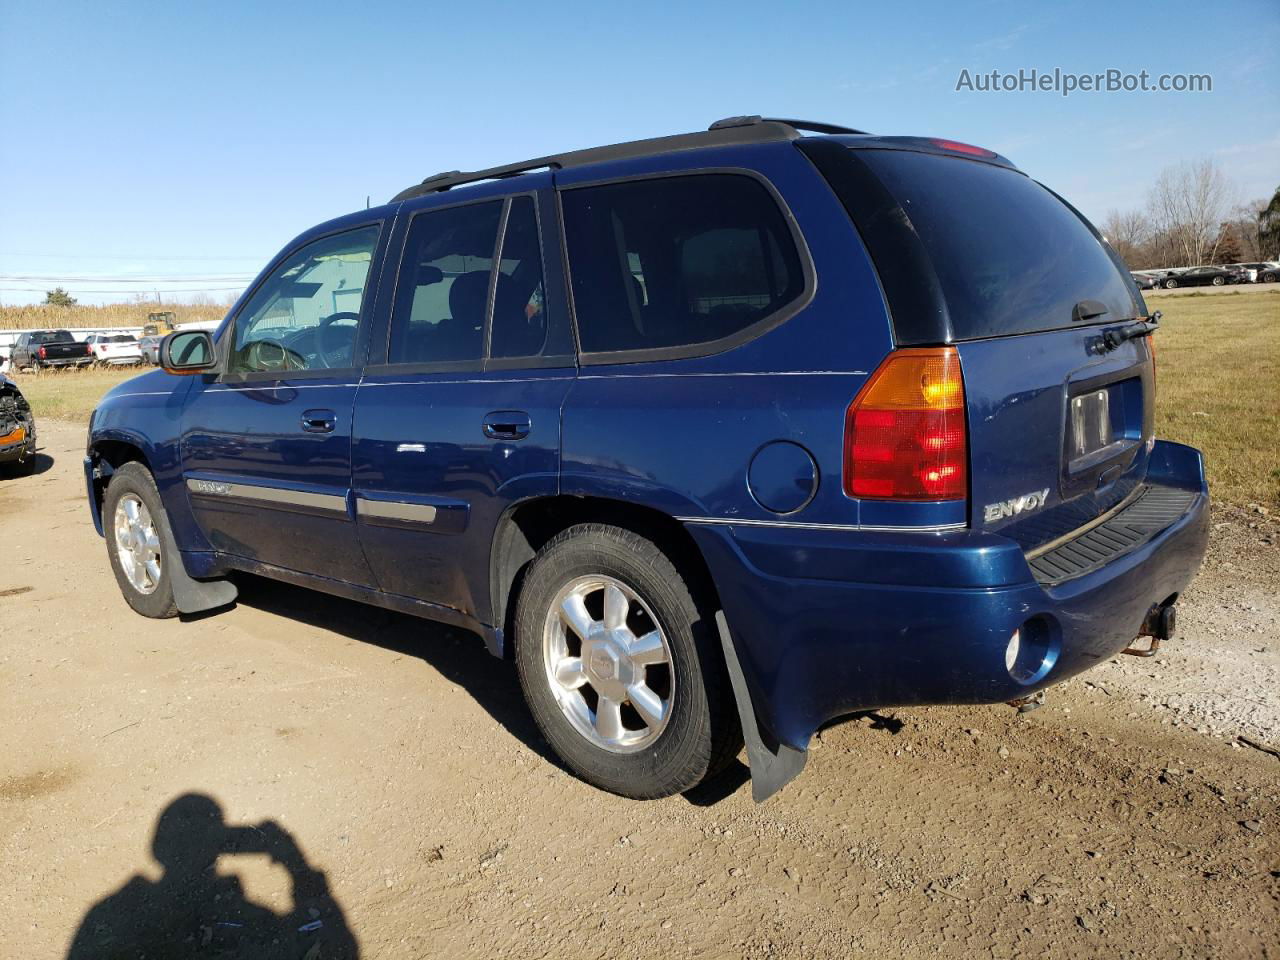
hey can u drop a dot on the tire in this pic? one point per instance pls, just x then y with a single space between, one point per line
1170 283
1268 278
698 732
1218 281
150 595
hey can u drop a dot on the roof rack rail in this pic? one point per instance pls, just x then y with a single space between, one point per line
440 182
813 126
730 131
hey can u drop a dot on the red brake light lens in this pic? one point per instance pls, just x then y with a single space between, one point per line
956 147
905 436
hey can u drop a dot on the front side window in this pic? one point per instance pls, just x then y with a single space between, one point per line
305 315
677 261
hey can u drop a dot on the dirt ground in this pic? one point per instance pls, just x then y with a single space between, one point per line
376 780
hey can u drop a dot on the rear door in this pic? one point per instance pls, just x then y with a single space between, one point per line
1059 421
266 447
458 415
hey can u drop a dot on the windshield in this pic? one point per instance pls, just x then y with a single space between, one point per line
1010 256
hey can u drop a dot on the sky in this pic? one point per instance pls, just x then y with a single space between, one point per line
178 146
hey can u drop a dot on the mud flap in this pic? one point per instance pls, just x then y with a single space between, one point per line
772 768
189 594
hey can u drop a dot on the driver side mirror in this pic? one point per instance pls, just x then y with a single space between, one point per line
188 352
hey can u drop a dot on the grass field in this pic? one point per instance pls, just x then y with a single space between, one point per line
1217 388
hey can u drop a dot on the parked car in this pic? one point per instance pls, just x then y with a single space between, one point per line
48 348
149 346
1202 276
17 430
1144 281
114 349
738 433
1244 272
1269 274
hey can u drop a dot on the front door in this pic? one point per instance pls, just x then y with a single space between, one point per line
266 450
461 419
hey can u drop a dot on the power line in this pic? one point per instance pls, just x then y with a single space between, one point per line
139 292
60 279
122 256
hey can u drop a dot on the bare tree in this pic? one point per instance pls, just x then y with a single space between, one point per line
1188 204
1244 226
1128 232
1269 228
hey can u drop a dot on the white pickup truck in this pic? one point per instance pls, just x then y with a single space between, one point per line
114 349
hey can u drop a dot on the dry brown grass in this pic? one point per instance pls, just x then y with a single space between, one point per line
1218 367
71 394
1218 363
112 315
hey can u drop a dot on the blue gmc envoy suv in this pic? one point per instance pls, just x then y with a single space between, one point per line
718 436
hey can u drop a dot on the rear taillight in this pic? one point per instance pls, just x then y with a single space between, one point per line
42 353
904 434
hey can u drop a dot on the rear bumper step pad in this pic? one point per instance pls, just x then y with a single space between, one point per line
1152 511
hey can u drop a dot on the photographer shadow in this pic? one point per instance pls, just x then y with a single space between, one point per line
194 910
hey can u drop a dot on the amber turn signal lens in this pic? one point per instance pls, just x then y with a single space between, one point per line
905 433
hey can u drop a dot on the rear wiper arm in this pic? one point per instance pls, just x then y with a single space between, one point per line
1132 331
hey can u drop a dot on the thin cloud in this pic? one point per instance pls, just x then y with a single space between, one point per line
1003 41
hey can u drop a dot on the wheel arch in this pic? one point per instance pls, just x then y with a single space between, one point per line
528 525
109 454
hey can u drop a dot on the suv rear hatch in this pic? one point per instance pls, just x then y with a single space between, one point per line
971 252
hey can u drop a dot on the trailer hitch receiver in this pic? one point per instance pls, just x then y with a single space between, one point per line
1159 625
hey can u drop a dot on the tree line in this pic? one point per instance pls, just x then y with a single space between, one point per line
1192 218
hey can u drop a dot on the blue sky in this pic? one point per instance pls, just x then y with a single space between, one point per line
192 140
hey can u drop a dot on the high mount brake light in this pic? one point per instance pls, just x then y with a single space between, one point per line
956 147
905 436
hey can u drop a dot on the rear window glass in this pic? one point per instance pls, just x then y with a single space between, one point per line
677 261
1010 256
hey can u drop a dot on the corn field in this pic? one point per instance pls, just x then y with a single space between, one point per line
111 315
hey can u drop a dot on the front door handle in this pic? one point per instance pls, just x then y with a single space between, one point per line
319 421
506 425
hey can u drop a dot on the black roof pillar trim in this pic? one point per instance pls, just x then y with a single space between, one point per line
912 291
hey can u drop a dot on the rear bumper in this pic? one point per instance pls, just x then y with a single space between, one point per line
828 623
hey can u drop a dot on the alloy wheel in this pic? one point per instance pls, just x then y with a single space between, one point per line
137 544
608 664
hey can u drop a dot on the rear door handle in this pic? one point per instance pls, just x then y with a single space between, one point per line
319 421
506 425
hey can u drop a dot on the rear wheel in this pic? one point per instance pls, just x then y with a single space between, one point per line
1218 281
620 665
132 518
1170 283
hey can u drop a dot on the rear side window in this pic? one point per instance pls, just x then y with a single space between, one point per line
519 326
443 293
1010 256
677 262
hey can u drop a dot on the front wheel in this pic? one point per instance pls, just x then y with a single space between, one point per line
135 524
621 666
1170 284
1218 281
